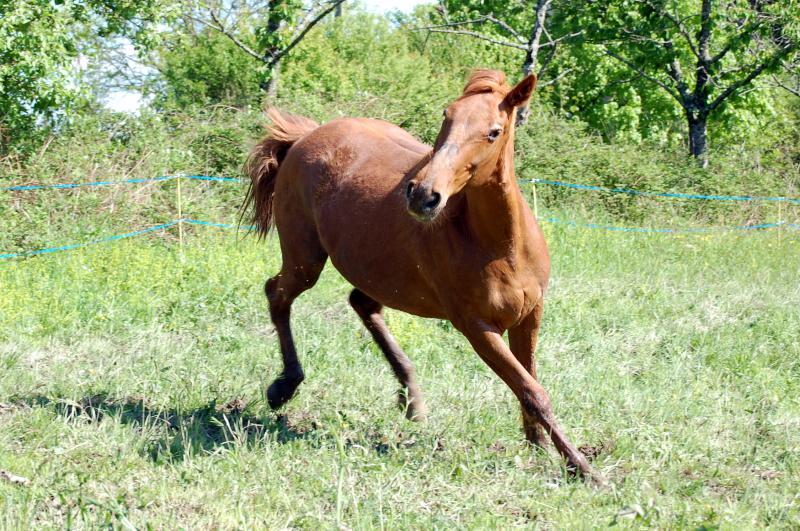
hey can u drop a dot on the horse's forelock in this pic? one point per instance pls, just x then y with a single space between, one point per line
482 81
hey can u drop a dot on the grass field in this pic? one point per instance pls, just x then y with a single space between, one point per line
132 380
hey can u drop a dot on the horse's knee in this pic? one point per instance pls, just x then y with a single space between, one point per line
270 287
279 302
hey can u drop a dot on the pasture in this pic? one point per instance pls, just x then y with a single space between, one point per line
132 380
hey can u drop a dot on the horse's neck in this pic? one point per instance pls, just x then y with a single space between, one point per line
494 211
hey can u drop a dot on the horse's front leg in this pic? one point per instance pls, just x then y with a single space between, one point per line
522 340
488 343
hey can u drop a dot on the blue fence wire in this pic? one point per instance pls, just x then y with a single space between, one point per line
552 220
574 186
212 178
689 230
571 223
27 187
24 254
674 195
215 224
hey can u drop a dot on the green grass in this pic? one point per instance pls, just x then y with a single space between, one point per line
132 380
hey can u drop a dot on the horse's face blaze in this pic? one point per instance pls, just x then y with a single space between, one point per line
475 132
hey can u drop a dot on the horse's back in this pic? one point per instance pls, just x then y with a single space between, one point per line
360 154
350 160
349 175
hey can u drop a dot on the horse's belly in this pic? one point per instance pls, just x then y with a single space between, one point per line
404 293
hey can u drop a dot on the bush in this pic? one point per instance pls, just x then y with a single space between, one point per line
199 70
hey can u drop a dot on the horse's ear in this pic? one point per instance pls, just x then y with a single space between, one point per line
522 92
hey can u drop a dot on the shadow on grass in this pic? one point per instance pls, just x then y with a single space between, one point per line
178 433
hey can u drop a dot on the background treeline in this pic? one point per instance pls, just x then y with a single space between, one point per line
689 95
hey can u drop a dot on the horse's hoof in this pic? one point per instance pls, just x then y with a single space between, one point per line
597 480
416 411
281 391
413 404
585 472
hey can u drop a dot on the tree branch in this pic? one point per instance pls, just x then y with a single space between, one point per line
480 20
553 42
545 64
223 30
477 36
275 58
736 85
555 79
675 20
790 90
645 75
529 65
704 37
676 73
506 27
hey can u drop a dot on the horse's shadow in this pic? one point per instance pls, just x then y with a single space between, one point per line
173 434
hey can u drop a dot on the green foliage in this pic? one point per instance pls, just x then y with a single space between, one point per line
660 39
40 45
207 68
108 146
619 102
365 66
556 149
275 32
36 66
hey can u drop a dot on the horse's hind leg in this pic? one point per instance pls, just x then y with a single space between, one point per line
303 261
371 313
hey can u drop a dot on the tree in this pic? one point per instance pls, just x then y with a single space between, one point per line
703 56
280 26
41 47
501 31
790 82
203 68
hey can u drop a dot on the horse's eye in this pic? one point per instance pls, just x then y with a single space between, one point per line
494 133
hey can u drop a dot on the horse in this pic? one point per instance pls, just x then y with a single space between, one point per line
440 232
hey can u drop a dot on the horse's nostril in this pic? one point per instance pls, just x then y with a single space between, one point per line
409 190
433 202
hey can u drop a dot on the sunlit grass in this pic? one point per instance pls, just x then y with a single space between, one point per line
132 379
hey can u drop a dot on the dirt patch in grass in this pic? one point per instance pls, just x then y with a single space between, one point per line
592 452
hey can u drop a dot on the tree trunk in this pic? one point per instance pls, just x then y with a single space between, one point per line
698 137
529 66
271 85
524 110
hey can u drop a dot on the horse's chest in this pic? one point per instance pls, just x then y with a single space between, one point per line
498 293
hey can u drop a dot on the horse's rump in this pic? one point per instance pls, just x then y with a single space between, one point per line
262 164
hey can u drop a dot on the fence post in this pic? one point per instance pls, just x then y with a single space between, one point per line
535 200
180 213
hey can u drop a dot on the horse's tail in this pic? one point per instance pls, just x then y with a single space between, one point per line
262 164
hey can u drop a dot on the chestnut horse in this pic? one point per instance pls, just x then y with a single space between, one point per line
442 233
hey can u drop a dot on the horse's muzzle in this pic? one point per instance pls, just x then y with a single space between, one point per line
422 202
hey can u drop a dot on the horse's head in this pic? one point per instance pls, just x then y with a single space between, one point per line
475 135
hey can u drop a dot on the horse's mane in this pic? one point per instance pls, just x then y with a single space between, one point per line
481 81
